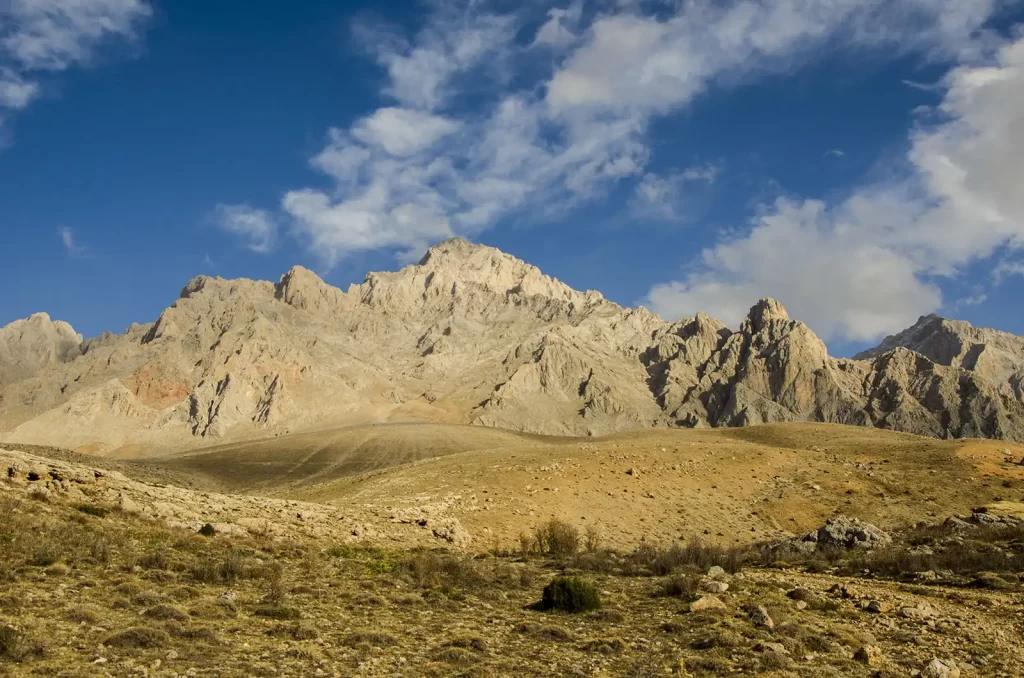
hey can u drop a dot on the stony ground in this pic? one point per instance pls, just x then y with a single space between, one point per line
83 593
104 571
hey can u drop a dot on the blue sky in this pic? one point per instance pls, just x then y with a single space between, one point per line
860 161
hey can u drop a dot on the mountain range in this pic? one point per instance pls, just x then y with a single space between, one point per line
472 335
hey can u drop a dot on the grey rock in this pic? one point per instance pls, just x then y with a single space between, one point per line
938 668
851 533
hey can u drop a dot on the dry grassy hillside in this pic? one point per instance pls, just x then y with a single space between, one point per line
731 485
734 485
104 575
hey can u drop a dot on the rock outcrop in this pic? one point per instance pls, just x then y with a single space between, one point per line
473 335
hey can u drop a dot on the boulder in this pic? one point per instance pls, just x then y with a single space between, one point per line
705 603
850 533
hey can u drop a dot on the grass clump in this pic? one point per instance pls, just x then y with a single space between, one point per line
142 637
277 611
570 594
18 646
89 510
679 586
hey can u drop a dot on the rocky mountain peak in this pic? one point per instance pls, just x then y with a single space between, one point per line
35 343
764 312
304 289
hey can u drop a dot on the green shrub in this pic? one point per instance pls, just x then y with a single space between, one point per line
277 611
557 538
570 594
207 530
97 511
679 586
139 637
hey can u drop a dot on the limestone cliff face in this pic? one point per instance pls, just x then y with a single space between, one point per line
473 335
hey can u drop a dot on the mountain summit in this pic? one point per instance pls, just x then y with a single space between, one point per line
473 335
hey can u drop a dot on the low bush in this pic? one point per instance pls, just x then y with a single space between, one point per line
556 538
96 511
570 594
142 637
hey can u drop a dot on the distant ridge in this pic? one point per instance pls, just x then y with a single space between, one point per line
473 335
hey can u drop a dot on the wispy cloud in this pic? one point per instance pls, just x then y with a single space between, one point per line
38 37
484 122
71 246
1007 269
835 153
257 228
868 265
967 302
663 197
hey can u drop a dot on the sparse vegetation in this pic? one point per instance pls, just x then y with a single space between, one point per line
147 592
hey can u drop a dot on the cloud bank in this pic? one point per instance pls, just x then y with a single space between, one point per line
488 117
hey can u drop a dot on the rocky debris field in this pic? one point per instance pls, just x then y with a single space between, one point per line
48 479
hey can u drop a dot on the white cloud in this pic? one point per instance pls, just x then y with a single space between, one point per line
663 196
559 30
403 131
71 246
455 42
1006 269
15 92
256 227
868 265
49 36
967 302
647 63
477 130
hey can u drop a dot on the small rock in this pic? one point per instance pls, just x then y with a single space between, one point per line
801 605
877 606
707 603
128 505
714 587
917 613
771 647
717 572
869 655
171 655
941 669
759 617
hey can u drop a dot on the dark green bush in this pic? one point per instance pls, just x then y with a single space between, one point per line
207 530
570 594
97 511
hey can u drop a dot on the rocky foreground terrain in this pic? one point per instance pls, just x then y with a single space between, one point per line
107 568
472 335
